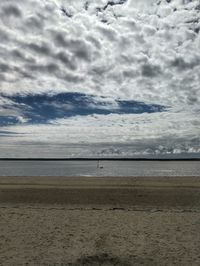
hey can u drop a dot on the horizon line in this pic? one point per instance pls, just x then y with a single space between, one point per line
100 159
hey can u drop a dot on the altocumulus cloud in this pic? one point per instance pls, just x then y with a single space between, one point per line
73 73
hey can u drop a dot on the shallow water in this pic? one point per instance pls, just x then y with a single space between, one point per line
107 168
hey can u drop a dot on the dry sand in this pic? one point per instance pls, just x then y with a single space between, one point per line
100 221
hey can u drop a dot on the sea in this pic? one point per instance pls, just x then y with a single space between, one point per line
100 168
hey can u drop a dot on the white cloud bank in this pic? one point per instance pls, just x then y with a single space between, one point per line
110 135
143 50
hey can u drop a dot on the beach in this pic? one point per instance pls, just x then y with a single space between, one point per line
99 221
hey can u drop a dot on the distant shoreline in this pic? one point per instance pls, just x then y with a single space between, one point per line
97 159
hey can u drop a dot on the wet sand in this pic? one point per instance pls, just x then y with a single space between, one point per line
100 221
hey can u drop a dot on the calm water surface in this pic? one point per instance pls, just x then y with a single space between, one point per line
107 168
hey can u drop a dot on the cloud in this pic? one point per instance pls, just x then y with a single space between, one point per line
181 64
145 51
140 39
11 10
149 70
107 135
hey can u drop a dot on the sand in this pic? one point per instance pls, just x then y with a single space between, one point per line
100 221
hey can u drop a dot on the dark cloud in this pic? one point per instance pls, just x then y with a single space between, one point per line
20 56
35 22
12 10
149 70
181 64
80 49
59 39
65 12
42 48
113 3
2 77
4 36
17 54
48 68
4 67
67 60
71 78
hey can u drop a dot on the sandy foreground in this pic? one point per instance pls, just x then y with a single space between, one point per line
100 221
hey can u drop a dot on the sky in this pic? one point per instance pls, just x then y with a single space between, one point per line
106 78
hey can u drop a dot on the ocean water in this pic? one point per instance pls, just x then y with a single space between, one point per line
106 168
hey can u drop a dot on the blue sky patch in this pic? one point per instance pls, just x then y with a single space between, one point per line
40 109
